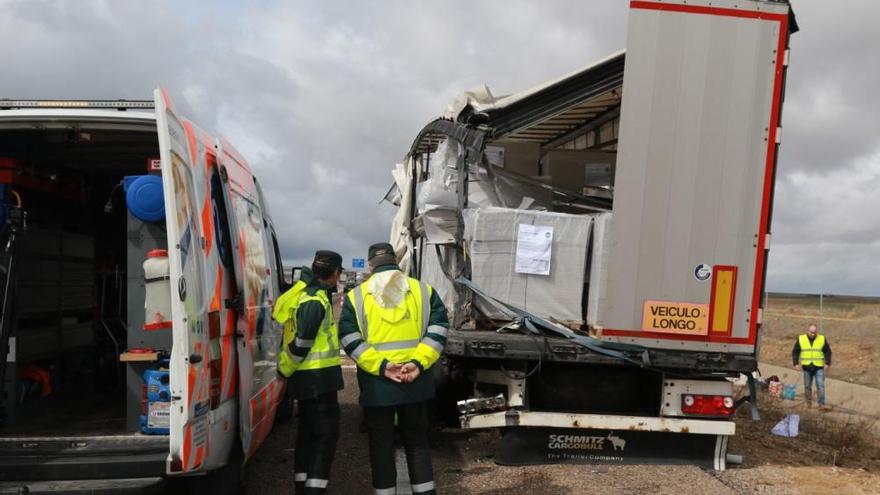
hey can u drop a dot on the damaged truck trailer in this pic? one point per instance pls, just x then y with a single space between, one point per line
601 240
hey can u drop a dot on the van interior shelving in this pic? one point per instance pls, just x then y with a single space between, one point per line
78 282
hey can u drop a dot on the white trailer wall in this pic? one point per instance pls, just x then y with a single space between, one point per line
693 153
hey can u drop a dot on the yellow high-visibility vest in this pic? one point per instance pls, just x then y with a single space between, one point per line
324 351
811 352
396 334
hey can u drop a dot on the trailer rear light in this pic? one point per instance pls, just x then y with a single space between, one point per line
707 405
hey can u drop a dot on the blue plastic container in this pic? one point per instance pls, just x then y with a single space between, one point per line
144 197
155 421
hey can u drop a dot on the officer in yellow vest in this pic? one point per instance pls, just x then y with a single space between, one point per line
309 358
812 355
395 328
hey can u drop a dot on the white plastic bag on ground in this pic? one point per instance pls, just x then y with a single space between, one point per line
787 426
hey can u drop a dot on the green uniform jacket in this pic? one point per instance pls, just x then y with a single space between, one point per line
379 391
308 384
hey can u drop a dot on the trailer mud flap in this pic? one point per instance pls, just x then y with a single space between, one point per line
528 446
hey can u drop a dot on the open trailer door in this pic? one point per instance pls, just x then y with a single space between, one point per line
259 336
189 364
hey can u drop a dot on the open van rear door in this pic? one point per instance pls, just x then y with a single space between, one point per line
190 374
259 336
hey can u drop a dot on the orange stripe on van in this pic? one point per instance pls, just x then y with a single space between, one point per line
218 290
252 318
193 144
187 446
200 456
226 357
167 99
230 323
242 251
208 223
191 383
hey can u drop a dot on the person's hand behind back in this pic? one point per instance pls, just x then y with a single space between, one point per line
393 372
410 372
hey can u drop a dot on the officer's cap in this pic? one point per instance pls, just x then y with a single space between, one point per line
381 254
329 259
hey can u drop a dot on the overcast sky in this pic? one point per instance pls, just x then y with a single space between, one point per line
323 97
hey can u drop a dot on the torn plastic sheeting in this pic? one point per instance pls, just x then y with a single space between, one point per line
598 267
582 340
787 426
433 273
513 193
439 190
400 236
487 186
437 226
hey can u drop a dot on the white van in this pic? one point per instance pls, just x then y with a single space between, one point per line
91 190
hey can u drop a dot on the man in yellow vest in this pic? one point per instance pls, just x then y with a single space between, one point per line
309 358
812 354
395 328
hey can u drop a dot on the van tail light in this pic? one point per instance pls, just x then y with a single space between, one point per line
707 405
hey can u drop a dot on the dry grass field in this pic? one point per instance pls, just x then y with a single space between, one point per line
851 324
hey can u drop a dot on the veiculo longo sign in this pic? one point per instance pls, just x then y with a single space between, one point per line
675 317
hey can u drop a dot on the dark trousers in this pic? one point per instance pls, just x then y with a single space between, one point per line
316 436
412 423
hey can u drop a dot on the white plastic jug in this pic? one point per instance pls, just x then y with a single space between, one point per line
157 303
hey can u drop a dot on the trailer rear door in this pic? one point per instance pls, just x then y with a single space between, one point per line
699 129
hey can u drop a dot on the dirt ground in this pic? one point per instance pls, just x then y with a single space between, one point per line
851 325
828 457
832 454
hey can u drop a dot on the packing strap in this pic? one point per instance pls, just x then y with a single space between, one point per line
530 320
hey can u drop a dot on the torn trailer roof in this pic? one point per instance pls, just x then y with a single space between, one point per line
551 114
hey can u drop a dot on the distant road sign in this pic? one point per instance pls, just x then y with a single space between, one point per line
358 263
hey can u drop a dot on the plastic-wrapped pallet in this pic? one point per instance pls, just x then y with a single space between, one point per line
491 234
432 273
598 266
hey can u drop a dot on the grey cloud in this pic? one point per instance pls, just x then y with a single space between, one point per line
825 233
324 97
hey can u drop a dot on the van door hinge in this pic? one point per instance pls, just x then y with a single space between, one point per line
778 135
767 241
236 303
785 58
